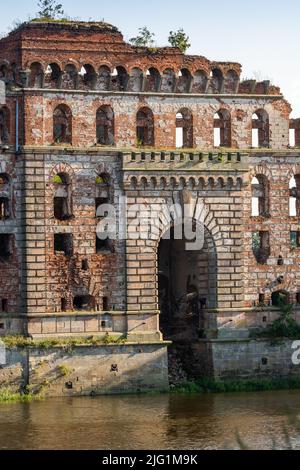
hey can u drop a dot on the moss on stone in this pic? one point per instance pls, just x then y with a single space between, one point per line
25 342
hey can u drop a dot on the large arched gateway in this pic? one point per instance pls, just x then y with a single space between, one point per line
187 285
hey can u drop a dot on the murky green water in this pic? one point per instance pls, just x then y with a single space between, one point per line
151 422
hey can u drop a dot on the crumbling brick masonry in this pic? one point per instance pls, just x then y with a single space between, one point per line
88 119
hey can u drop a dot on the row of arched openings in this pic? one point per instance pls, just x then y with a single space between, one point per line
145 127
119 79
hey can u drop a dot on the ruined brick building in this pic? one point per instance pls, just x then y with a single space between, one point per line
88 118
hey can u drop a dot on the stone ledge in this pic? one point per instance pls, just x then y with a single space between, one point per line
112 93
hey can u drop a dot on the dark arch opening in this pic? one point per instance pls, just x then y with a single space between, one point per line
4 125
84 302
279 298
145 127
62 125
105 126
187 285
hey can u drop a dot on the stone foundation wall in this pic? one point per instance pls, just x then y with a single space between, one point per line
243 359
88 370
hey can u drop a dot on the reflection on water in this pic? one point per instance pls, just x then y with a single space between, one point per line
150 422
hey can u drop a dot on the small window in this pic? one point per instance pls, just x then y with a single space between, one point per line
61 211
222 128
6 242
105 304
294 200
62 197
2 326
105 126
102 191
184 129
64 305
62 125
4 208
260 196
260 129
119 79
298 298
4 126
280 261
145 127
261 246
100 201
85 265
4 305
261 299
295 239
84 302
63 243
294 133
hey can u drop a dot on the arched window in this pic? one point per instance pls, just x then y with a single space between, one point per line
231 82
135 82
14 72
88 77
260 129
62 125
216 81
119 79
295 133
105 126
5 197
153 80
184 129
184 81
52 78
103 187
145 127
168 81
62 197
103 80
222 128
199 82
70 78
36 77
260 196
4 73
4 125
294 202
261 246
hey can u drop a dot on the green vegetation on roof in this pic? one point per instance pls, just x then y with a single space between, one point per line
73 22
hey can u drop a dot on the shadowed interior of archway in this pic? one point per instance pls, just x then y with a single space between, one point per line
187 284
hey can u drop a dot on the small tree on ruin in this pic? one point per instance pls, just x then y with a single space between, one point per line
144 39
179 39
50 9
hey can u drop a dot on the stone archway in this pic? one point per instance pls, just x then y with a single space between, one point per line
187 286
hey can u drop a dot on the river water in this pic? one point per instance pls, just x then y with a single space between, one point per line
152 422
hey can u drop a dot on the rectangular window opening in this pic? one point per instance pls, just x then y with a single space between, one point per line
63 243
261 246
6 242
295 239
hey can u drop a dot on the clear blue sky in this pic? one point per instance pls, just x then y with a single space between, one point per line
263 35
